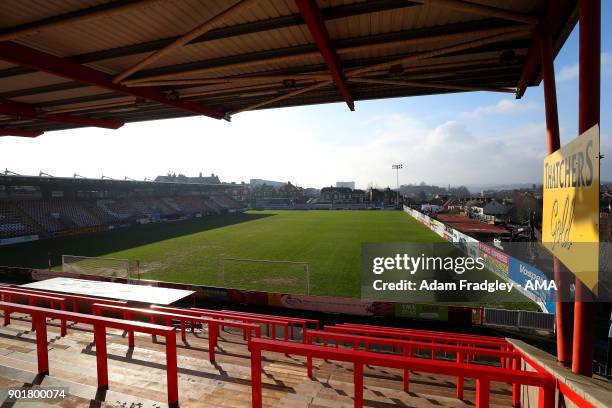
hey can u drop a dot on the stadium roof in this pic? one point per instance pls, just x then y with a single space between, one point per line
74 63
82 183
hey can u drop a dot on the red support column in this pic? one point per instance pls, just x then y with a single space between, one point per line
588 116
358 380
212 340
41 343
101 355
460 387
64 323
256 398
563 309
172 369
482 393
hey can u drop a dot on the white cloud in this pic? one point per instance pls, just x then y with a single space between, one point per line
504 106
570 72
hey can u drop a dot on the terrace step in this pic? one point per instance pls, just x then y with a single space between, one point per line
138 376
79 395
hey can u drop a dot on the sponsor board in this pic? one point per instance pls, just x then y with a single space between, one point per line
496 260
421 311
570 220
522 273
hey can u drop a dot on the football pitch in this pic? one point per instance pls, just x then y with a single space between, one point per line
191 251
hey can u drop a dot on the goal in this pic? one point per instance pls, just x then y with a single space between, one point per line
264 274
110 267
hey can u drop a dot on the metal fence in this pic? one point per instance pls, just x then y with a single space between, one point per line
520 319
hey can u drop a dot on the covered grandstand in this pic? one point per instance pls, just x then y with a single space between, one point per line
38 207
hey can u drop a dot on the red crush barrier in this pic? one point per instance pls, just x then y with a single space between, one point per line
406 334
213 325
100 324
291 320
420 331
33 298
223 316
73 298
252 318
483 375
406 348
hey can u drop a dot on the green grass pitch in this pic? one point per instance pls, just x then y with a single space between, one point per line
189 251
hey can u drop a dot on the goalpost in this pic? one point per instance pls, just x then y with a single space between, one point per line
109 267
265 274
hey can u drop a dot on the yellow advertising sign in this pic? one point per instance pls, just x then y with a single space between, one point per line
570 220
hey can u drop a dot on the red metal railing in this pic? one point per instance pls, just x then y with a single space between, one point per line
563 388
420 331
268 321
213 325
483 375
302 322
463 354
74 299
33 299
100 324
407 334
225 317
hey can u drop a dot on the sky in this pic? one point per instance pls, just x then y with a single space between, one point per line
474 139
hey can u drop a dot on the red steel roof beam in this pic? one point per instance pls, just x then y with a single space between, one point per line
314 21
20 132
546 26
24 110
42 61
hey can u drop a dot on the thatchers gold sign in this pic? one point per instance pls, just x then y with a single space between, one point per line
570 220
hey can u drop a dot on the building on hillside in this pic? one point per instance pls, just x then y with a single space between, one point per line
348 184
385 197
342 195
239 192
292 192
491 211
261 182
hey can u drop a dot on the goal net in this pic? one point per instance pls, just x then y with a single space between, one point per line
265 275
110 267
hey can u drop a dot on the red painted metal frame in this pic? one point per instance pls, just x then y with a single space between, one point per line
213 325
463 354
588 116
73 298
314 21
433 332
267 321
303 323
20 132
563 310
550 20
483 375
100 324
561 386
415 335
29 57
20 109
33 299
